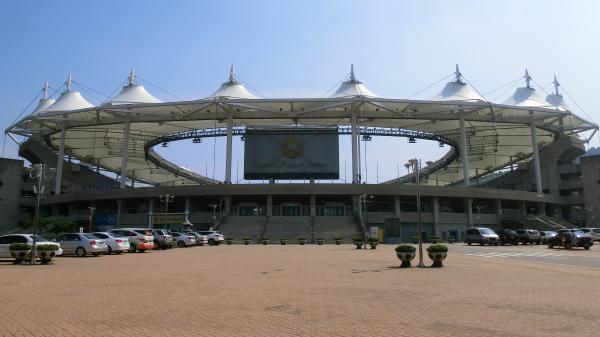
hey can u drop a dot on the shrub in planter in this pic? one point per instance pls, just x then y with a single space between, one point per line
437 253
358 241
229 240
451 239
373 242
302 241
265 241
283 241
46 252
434 239
414 239
405 253
20 251
247 241
338 241
320 241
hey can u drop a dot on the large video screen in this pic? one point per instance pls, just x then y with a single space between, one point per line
291 153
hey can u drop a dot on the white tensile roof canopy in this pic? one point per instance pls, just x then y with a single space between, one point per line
133 93
497 134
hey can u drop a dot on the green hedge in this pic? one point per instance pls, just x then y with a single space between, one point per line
46 248
405 249
20 246
437 249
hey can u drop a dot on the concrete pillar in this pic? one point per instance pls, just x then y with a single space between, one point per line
469 212
498 209
229 149
397 209
536 159
125 153
313 205
436 216
59 163
269 205
187 208
464 151
227 201
119 211
151 212
541 209
354 141
523 207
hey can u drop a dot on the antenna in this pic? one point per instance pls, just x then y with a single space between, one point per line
458 75
69 83
131 78
45 90
556 85
352 77
527 79
231 74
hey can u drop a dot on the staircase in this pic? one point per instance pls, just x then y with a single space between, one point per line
239 227
542 223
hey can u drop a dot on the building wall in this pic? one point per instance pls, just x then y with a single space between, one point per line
590 176
11 179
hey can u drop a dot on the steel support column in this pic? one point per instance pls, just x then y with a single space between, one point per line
228 150
125 153
354 139
464 151
59 162
536 159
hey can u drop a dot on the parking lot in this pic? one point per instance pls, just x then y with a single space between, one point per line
305 291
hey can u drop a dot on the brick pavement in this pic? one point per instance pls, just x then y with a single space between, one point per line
295 291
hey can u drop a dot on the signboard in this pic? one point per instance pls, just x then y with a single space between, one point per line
168 218
291 153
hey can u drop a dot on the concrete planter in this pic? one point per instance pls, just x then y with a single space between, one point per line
302 242
46 256
437 259
228 241
247 241
406 258
20 255
320 241
283 242
338 241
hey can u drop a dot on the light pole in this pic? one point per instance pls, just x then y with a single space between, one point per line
479 207
214 218
92 208
415 164
37 172
165 199
364 199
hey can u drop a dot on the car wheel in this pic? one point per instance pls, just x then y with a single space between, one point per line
180 244
80 252
118 252
538 243
496 244
481 243
586 246
156 245
109 251
132 248
96 254
211 242
550 246
201 244
141 250
468 242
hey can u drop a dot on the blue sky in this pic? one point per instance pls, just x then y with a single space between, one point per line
296 48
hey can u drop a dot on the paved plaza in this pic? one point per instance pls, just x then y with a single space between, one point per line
305 291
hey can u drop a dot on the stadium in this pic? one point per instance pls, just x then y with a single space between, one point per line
518 163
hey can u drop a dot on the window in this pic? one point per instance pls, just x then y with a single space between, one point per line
101 236
8 239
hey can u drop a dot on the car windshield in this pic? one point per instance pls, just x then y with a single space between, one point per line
143 232
486 231
101 235
37 238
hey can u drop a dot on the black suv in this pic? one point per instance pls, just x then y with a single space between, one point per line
508 237
564 238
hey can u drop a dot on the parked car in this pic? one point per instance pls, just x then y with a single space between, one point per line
116 244
507 236
529 236
184 240
163 239
81 244
200 239
564 239
545 235
214 237
593 232
7 240
140 239
481 235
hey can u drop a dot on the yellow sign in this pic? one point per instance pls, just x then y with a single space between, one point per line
166 219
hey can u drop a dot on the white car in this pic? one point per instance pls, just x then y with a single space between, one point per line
116 244
140 239
7 240
183 239
594 233
214 237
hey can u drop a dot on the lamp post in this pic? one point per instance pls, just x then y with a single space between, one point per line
165 199
364 199
214 217
591 220
479 207
415 164
37 172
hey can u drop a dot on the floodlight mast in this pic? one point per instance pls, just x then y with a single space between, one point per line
37 172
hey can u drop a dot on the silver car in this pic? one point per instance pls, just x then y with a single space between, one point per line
82 244
184 240
7 240
115 243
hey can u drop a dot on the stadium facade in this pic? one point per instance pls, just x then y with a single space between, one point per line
519 163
